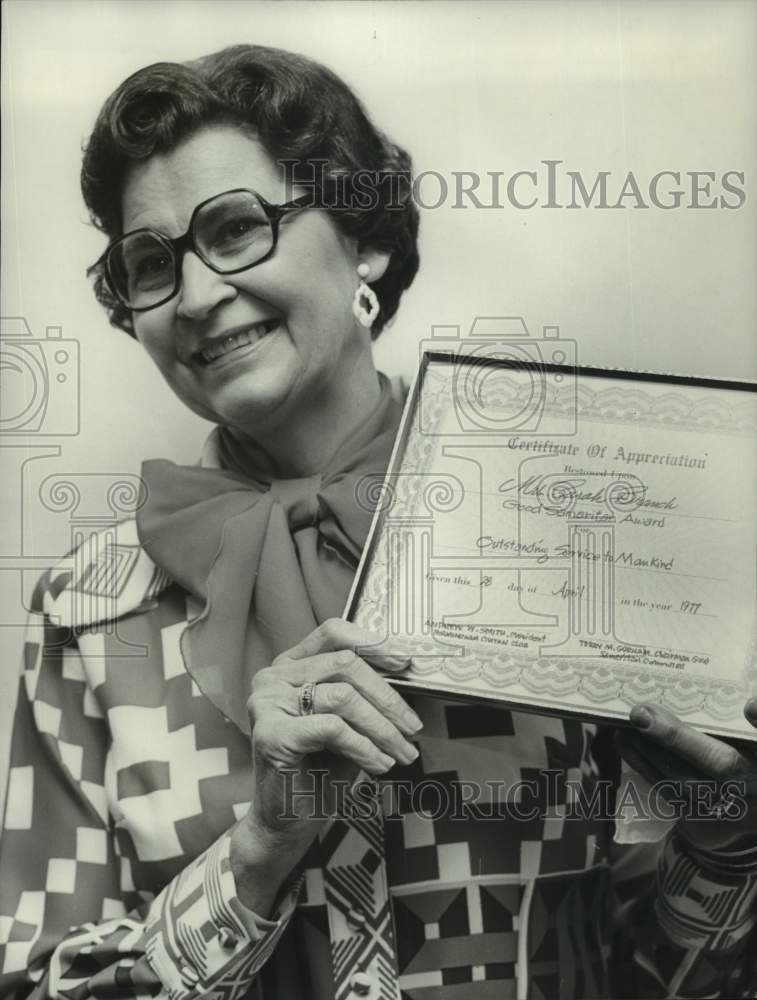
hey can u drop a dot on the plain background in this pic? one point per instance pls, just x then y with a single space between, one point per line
619 86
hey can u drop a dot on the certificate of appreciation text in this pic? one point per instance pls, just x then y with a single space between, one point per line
571 540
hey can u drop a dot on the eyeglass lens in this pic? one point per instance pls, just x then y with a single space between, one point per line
231 232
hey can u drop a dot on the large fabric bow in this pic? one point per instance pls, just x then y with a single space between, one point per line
266 559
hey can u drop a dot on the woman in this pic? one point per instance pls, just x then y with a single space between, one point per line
153 842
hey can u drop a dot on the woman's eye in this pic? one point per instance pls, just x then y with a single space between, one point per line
150 266
236 230
153 264
150 269
239 228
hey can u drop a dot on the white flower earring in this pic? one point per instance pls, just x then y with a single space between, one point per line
365 305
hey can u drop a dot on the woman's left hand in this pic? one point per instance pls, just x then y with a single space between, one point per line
661 747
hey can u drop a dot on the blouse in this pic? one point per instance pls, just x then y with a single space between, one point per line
115 878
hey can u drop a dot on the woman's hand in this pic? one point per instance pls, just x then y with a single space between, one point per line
662 747
358 722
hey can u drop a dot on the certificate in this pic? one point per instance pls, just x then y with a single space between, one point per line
570 540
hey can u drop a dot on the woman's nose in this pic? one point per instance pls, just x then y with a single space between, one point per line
201 288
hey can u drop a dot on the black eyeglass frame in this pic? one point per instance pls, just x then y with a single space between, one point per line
180 244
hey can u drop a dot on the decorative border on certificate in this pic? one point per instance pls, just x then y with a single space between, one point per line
659 433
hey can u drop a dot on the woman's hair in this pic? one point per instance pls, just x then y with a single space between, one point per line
300 112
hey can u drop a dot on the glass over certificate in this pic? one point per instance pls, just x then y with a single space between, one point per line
570 540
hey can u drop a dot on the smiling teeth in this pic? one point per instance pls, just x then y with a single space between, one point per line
235 340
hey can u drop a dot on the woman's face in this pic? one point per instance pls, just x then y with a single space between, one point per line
306 287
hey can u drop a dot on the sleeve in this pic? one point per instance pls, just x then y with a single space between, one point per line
71 923
706 917
681 929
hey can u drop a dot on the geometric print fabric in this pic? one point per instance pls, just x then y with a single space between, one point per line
123 776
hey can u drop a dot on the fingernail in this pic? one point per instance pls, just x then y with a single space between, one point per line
385 660
400 661
414 724
387 762
641 716
372 633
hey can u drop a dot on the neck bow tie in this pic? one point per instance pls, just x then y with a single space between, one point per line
263 559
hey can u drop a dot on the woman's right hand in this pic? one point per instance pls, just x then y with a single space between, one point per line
358 722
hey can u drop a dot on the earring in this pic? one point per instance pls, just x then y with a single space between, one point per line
365 305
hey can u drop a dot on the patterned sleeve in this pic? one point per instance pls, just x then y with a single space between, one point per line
70 923
682 930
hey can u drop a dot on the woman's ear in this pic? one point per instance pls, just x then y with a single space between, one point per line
377 261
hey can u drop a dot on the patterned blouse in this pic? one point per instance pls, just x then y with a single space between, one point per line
125 780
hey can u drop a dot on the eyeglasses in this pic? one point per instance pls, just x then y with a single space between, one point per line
229 232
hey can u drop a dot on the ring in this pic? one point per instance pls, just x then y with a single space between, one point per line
306 695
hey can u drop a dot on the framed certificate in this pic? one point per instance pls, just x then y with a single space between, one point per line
570 540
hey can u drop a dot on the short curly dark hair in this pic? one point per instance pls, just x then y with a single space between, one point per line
299 110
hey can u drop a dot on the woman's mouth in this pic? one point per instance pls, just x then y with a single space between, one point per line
234 341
